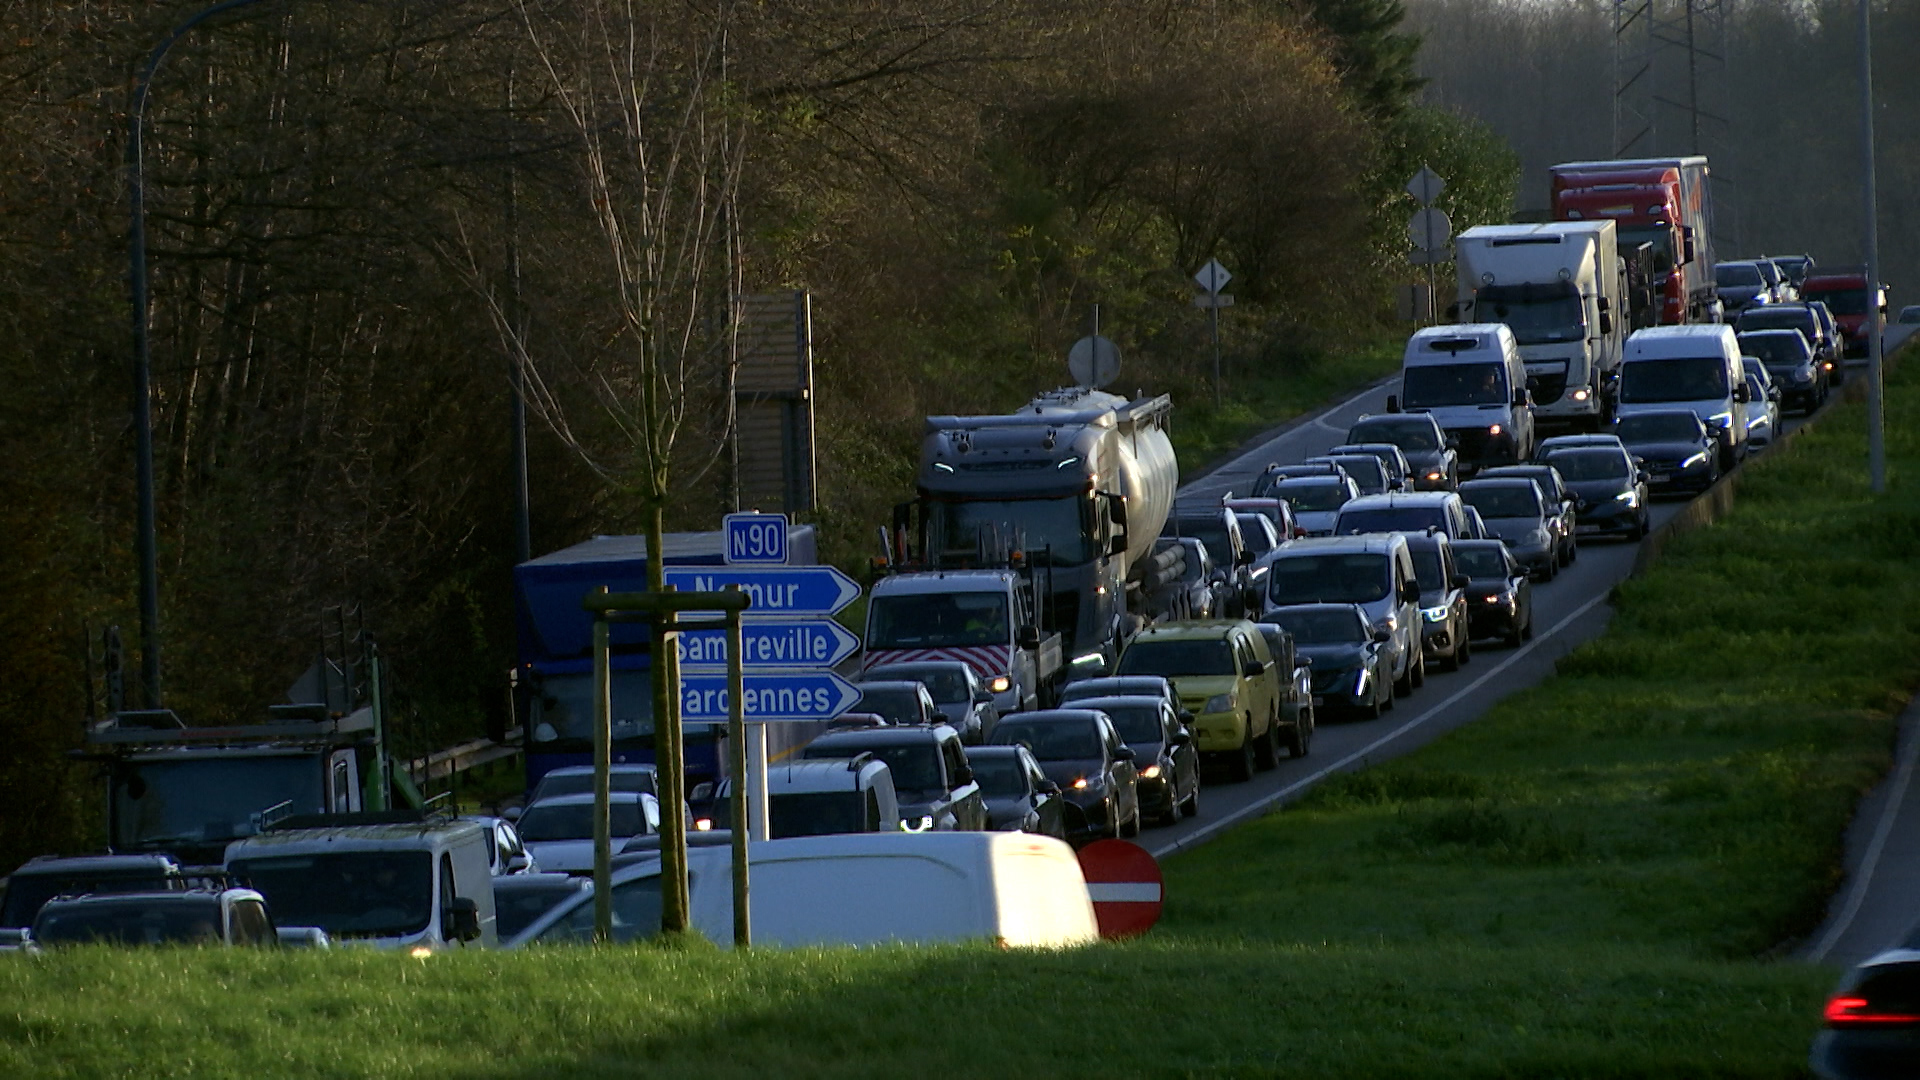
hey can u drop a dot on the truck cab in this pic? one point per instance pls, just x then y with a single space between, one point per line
986 618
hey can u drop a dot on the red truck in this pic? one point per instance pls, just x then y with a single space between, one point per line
1844 291
1666 202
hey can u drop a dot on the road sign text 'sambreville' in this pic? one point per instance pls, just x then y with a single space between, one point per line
784 643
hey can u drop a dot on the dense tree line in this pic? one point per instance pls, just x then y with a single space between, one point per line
360 214
1784 135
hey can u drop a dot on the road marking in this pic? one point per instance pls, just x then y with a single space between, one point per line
1857 888
1265 801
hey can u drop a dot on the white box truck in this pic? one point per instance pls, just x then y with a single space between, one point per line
1561 287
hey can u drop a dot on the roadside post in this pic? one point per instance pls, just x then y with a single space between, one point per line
1430 230
1212 278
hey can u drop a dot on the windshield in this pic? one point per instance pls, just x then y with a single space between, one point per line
1176 658
1257 540
915 766
1209 529
1480 562
1590 464
1685 378
810 813
1342 627
1328 579
1366 470
26 892
636 915
1537 314
562 710
193 921
1778 318
581 783
1000 776
1197 565
1407 434
1778 350
574 821
944 684
938 620
211 798
1503 501
1735 275
1385 519
1137 723
893 705
351 894
1069 739
1434 385
1312 496
1660 236
1658 427
1426 569
1843 300
1059 529
1388 461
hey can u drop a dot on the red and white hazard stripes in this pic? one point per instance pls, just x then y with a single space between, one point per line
989 660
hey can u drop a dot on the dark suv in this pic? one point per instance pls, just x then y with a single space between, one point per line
1219 529
930 772
1430 452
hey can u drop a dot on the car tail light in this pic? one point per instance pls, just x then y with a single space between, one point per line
1851 1010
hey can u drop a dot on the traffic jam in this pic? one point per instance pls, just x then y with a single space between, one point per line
1058 650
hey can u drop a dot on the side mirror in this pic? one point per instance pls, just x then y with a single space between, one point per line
1410 592
1185 716
1520 399
1118 544
461 919
1256 669
1244 557
1123 752
982 697
1027 637
1453 442
963 776
1382 636
1603 304
1606 320
519 864
1741 394
1182 737
1046 787
1640 476
1302 663
1459 581
1773 393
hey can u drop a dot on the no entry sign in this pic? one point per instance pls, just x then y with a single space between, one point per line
1124 883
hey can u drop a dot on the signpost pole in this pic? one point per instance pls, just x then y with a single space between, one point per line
671 773
1876 429
736 751
602 786
1213 330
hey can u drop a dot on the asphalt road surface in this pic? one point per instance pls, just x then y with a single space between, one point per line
1569 610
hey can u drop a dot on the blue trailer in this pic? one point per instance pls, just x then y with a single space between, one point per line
554 677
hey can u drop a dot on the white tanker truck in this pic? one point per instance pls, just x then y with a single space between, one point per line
1059 505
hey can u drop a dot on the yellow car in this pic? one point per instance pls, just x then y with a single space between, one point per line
1225 677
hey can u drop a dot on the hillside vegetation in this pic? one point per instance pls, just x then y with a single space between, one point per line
359 213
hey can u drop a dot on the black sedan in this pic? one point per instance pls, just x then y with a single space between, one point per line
1430 453
1873 1019
1681 455
1082 752
1609 491
1019 796
1802 377
1350 668
1560 501
1163 751
1499 591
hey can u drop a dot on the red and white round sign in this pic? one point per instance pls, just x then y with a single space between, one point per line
1124 884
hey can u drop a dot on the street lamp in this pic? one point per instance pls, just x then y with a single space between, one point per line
143 358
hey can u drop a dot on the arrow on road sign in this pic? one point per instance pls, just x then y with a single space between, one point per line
787 695
776 590
768 643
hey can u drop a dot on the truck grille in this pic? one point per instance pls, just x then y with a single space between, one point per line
1473 442
1549 387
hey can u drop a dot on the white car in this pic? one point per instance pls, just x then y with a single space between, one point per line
558 831
1763 412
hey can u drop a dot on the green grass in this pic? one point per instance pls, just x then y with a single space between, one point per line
1262 395
1595 880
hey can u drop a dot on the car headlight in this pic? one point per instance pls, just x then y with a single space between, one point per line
1720 421
923 825
1697 459
1803 374
1434 614
1219 703
1000 684
1540 537
1435 474
1151 772
1580 394
1625 497
1494 429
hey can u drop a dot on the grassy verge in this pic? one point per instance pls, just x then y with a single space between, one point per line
1264 396
1589 882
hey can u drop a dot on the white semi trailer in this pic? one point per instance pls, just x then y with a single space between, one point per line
1561 287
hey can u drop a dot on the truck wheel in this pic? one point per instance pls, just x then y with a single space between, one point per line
1266 749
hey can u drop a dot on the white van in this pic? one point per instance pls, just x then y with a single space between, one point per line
1696 367
821 798
414 885
860 889
1472 380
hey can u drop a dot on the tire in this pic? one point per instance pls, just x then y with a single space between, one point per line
1404 685
1390 704
1240 769
1573 552
1515 636
1527 632
1463 653
1373 708
1131 827
1301 742
1266 750
1420 672
1191 807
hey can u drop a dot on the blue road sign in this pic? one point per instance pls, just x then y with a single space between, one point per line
776 590
755 539
771 643
786 695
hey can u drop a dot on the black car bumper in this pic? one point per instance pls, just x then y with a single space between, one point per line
1611 517
1492 619
1088 818
1156 795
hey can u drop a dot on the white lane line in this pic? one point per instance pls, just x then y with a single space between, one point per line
1857 887
1265 801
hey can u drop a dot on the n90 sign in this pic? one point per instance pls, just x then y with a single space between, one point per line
756 538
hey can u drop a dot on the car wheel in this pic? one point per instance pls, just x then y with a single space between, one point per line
1527 631
1463 653
1374 706
1131 827
1573 551
1403 686
1420 672
1266 749
1241 767
1302 741
1514 636
1191 807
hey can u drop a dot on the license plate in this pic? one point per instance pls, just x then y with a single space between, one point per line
1657 478
1319 700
